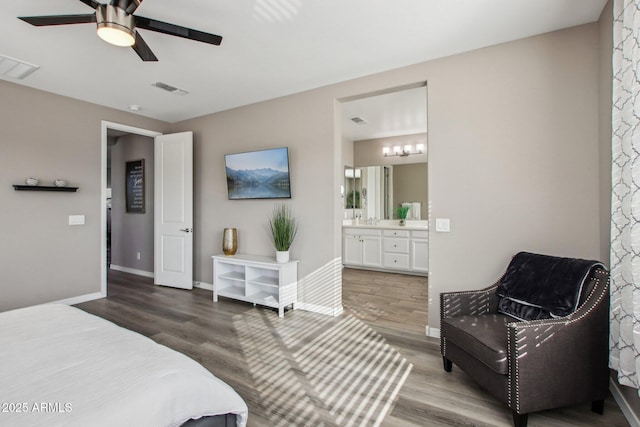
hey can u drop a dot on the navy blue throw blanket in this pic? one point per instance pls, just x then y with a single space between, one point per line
542 286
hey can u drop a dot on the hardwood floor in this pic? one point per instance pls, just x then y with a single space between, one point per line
371 366
386 300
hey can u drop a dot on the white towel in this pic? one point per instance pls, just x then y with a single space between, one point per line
415 210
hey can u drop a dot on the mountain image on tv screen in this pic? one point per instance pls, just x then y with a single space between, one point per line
258 174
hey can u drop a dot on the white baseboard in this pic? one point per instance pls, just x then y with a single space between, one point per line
80 299
202 285
622 402
321 309
433 332
132 271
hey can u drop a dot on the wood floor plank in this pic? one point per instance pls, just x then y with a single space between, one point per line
298 370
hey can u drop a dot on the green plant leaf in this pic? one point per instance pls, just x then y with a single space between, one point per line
283 227
402 211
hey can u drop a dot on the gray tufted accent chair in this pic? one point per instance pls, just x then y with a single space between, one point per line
531 365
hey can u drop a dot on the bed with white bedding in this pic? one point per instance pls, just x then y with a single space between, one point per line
61 366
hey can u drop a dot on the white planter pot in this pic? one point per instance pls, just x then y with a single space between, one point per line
282 256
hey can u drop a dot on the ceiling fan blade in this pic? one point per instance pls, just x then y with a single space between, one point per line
40 21
92 3
129 6
142 49
176 30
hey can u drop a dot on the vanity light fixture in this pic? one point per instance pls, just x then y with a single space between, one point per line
405 151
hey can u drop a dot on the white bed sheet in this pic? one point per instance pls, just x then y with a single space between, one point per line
62 366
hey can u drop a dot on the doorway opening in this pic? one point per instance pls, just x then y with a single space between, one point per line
124 142
130 203
384 138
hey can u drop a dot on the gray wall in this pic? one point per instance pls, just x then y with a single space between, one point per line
513 156
605 93
131 232
48 136
304 124
513 146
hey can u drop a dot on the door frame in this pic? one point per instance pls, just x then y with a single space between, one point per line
105 126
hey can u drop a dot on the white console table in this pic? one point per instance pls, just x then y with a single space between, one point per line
256 279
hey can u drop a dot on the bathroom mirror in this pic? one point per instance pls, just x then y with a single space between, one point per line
351 188
376 191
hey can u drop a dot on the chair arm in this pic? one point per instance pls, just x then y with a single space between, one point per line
562 361
475 302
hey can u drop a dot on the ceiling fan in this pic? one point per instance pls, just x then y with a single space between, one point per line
117 25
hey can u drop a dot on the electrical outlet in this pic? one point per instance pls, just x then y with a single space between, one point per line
138 256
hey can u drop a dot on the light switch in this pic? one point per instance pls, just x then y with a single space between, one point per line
442 225
76 219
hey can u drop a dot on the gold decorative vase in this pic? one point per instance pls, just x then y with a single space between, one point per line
230 241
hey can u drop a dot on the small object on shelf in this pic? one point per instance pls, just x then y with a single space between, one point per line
284 228
31 181
230 241
60 183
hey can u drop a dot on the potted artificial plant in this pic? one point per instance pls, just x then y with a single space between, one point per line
283 229
401 213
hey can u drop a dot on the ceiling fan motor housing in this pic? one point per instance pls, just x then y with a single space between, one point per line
115 25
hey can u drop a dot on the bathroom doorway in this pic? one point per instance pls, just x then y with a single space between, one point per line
385 154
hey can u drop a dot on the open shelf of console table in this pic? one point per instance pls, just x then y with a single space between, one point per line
256 279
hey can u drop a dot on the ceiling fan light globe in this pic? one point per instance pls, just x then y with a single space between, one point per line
116 36
115 26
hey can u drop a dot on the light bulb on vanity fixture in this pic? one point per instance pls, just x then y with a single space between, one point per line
407 150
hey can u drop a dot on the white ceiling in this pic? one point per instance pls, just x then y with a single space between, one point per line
271 48
397 113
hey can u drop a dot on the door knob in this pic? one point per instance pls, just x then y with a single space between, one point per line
187 230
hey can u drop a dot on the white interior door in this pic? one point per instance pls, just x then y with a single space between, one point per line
173 220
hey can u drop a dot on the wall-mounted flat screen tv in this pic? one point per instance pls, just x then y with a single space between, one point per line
258 174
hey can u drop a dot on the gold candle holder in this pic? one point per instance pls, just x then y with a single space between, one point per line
230 241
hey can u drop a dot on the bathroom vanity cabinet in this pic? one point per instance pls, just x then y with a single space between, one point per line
386 248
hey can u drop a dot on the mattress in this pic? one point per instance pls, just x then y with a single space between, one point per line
62 366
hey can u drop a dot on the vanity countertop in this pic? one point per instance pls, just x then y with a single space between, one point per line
387 224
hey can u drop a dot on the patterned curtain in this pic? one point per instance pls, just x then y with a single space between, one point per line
625 200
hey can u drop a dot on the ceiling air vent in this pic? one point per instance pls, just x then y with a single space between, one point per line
15 68
171 89
358 120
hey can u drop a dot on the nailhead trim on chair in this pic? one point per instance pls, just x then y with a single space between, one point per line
444 305
520 327
443 340
510 370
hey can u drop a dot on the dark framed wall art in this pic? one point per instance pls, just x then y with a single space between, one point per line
134 179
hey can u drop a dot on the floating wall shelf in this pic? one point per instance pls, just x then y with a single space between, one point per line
44 188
